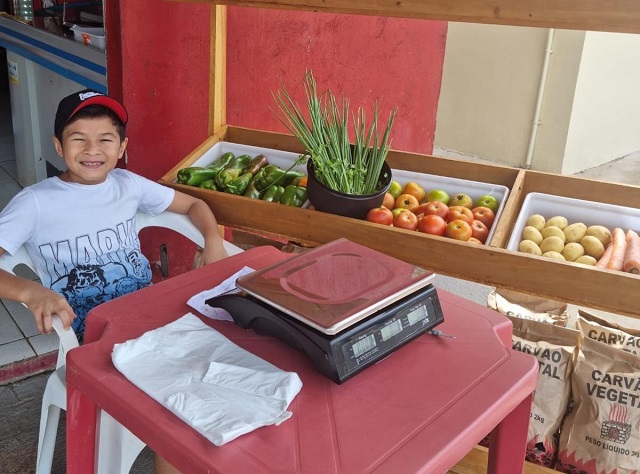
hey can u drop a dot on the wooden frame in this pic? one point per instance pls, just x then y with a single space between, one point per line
490 265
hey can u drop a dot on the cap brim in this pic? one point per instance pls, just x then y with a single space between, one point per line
105 101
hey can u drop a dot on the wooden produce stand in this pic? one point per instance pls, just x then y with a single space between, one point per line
489 264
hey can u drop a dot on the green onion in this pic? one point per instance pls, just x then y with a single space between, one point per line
339 165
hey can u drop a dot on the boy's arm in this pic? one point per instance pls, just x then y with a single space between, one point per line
41 301
202 217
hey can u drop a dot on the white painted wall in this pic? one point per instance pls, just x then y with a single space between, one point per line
591 105
605 121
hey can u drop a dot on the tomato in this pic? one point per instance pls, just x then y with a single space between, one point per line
436 208
479 231
414 189
484 215
405 220
488 201
460 212
432 224
407 201
461 199
380 215
458 229
389 201
395 189
438 195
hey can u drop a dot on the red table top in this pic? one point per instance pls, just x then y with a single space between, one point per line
422 408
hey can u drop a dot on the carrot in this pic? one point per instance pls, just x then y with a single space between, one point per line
619 243
632 253
606 256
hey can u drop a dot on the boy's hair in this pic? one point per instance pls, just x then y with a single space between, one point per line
97 111
89 104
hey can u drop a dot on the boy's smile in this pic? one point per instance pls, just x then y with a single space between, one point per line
91 148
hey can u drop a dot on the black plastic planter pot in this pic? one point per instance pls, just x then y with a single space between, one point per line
327 200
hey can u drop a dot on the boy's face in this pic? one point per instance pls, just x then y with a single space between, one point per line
90 148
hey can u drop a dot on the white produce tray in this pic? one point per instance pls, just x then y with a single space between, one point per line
575 210
454 186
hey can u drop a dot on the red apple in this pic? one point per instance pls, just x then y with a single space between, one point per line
405 220
458 229
484 215
380 215
432 224
460 212
473 240
479 231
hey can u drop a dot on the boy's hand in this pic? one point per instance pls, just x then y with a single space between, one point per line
211 253
44 303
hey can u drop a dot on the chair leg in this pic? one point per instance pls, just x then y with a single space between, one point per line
49 418
118 448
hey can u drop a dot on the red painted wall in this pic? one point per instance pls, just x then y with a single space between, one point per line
397 60
158 64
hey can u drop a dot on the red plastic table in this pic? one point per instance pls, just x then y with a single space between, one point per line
421 409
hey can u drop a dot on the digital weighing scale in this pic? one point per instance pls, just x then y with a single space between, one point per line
343 304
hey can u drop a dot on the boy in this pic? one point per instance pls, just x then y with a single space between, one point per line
79 227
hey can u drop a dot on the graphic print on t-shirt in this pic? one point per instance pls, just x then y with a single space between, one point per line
92 270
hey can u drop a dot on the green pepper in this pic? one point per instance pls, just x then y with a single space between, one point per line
273 193
221 162
195 175
272 174
256 164
294 195
252 192
209 184
240 184
232 171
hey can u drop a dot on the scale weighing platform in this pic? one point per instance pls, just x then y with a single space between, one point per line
343 304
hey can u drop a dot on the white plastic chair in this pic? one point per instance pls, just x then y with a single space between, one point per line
118 448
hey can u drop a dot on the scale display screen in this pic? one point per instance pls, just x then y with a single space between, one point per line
407 321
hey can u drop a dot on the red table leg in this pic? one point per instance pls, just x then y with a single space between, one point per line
508 441
81 432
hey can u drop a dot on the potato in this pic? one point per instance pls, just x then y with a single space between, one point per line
531 233
575 232
558 221
592 246
536 221
552 243
553 230
586 260
553 255
572 251
601 233
529 246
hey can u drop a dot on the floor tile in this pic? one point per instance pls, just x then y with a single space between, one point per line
9 330
4 176
22 316
7 191
15 352
44 343
11 167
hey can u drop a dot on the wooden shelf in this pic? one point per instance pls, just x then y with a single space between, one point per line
597 15
490 265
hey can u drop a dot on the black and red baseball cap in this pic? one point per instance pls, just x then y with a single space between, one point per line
72 104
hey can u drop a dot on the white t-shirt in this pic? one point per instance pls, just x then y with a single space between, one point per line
82 238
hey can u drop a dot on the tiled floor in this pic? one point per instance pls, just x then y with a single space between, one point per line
20 343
